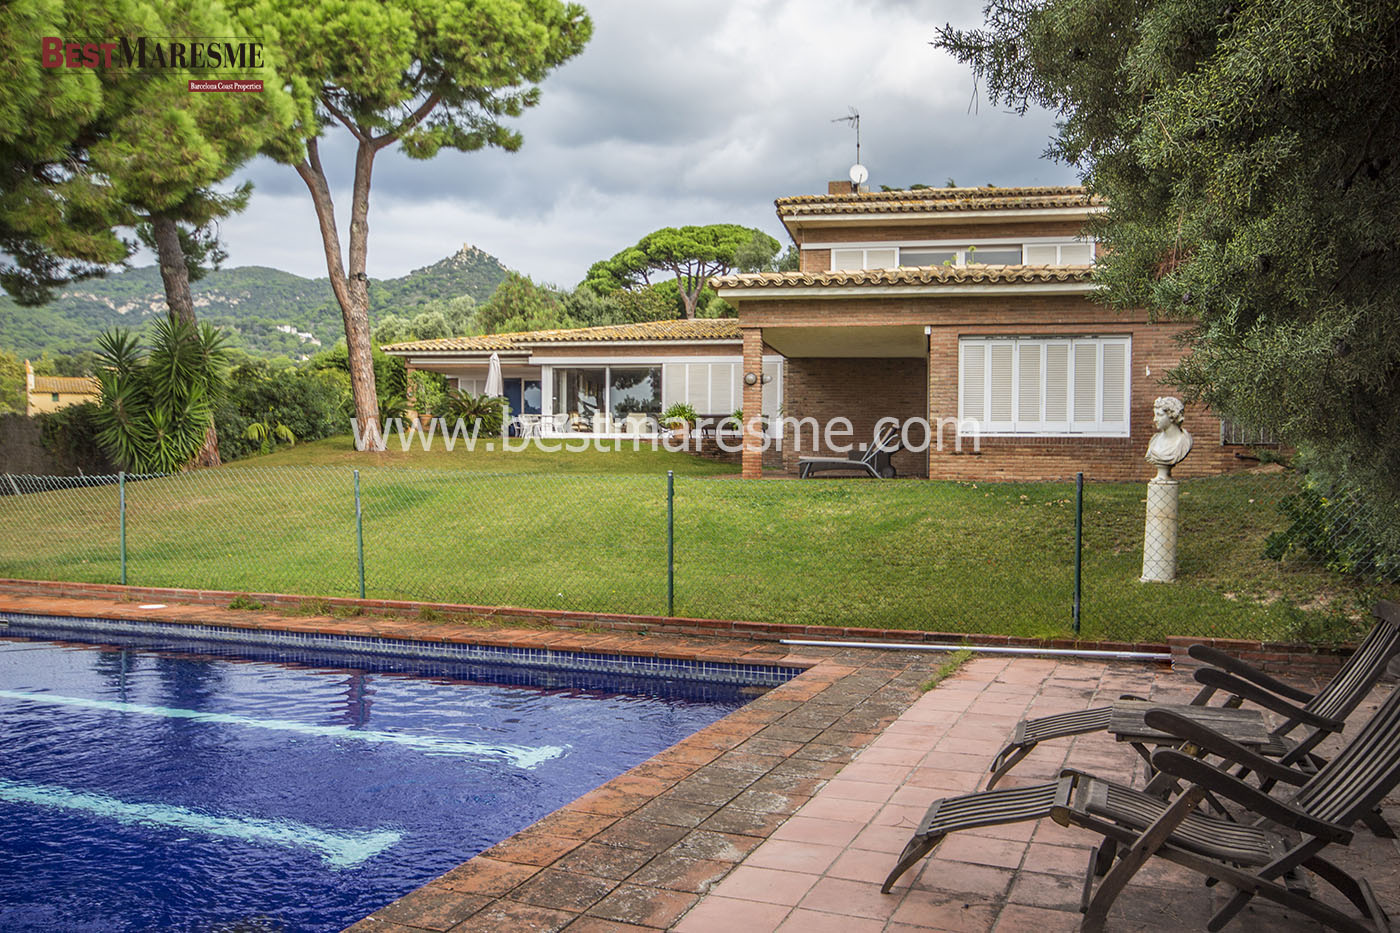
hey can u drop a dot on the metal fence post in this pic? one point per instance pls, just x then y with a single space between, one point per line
121 494
670 542
359 534
1078 544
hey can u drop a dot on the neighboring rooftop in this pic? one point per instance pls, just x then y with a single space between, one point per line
939 200
65 385
933 276
699 329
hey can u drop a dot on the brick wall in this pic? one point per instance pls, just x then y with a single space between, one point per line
863 390
1154 351
826 387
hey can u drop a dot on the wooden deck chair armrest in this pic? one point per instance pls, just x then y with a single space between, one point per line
1212 677
1195 771
1227 662
1233 752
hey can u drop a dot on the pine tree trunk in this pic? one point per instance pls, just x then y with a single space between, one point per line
351 287
176 277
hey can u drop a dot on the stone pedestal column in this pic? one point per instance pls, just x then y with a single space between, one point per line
1159 540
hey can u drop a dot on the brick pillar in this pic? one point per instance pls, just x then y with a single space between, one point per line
753 403
410 397
942 394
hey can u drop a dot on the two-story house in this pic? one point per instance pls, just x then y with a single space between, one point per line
971 310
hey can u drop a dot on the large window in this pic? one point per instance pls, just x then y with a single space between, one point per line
1032 253
607 399
580 392
1013 385
634 393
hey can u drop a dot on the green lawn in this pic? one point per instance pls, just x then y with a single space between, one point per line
588 531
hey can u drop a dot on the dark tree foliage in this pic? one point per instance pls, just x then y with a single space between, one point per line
1249 152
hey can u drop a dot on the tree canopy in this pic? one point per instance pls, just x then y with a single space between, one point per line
424 74
86 152
691 254
1248 154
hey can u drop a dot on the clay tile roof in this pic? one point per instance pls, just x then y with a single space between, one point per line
922 200
680 329
77 385
921 275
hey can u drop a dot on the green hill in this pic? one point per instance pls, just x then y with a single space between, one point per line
266 312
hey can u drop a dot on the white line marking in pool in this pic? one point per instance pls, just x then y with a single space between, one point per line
338 849
522 756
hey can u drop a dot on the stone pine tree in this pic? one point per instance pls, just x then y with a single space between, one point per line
422 74
131 150
691 254
1250 155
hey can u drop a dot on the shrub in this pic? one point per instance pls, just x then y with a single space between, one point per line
487 410
310 403
70 434
681 412
1338 527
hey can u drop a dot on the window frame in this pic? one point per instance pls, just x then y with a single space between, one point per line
959 249
1070 427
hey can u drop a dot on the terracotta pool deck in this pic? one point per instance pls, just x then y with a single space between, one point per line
786 815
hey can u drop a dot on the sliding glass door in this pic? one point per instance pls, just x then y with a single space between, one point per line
607 399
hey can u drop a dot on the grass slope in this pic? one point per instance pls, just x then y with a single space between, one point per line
587 531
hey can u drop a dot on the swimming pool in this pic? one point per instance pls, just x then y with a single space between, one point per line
163 786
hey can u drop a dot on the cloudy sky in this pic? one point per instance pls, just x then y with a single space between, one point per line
677 112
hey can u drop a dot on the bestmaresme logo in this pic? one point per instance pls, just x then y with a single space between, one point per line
219 63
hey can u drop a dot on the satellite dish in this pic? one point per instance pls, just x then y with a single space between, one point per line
859 174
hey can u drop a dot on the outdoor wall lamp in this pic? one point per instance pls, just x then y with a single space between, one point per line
754 378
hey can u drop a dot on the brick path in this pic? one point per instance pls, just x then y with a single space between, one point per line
821 870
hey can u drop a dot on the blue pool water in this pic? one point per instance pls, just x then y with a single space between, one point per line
159 787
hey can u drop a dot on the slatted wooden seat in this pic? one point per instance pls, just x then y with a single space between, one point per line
1264 857
1308 718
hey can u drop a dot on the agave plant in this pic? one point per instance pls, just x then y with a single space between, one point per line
155 407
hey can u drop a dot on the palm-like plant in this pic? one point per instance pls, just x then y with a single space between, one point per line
268 432
155 408
489 410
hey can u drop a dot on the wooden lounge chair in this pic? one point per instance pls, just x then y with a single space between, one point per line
874 460
1253 857
1314 716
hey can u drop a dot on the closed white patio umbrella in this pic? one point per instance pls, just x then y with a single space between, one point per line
495 385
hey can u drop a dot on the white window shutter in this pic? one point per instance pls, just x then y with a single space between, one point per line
1057 386
697 392
1115 385
1029 384
1041 255
672 385
974 388
847 259
722 389
1076 254
881 259
1000 385
1086 385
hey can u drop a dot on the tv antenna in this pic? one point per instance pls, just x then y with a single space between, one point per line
858 171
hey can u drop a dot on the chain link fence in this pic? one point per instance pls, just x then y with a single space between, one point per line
1255 556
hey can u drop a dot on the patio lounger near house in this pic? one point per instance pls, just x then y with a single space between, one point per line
1315 716
1245 854
874 460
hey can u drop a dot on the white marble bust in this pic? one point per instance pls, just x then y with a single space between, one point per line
1171 443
